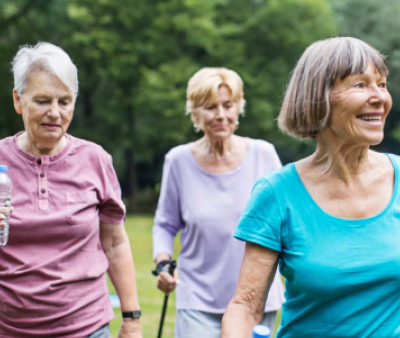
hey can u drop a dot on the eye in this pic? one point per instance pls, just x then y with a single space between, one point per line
64 103
228 104
42 102
359 85
210 107
382 85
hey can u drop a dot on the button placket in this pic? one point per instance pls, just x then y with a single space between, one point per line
43 190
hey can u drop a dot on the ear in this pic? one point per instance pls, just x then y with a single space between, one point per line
193 117
17 102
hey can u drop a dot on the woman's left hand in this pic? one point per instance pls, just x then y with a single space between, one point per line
130 328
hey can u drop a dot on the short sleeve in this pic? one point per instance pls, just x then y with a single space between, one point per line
261 220
111 209
168 220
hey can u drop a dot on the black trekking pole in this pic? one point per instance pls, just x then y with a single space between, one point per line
172 267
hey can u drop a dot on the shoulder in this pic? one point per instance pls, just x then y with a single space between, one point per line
6 141
395 159
5 145
89 150
178 153
262 145
281 177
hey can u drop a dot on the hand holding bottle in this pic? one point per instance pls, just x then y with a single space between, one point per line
5 204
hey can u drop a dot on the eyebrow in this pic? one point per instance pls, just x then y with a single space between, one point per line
47 96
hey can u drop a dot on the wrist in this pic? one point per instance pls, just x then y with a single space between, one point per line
161 267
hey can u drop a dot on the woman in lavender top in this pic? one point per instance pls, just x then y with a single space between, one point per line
67 228
205 187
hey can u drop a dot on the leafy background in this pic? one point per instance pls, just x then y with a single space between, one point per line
135 58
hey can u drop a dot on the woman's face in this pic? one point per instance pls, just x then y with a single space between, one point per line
46 107
218 120
360 104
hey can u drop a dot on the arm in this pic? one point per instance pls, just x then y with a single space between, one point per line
167 223
247 305
116 246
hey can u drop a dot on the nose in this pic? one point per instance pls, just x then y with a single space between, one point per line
377 94
220 112
54 110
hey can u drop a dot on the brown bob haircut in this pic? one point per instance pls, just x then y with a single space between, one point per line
306 106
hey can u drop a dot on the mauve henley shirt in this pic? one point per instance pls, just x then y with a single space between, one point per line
206 207
53 269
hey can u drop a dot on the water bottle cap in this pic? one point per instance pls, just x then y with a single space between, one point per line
3 168
261 331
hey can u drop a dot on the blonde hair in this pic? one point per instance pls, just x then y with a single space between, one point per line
306 106
48 58
203 86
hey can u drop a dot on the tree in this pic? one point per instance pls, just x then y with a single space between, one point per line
135 58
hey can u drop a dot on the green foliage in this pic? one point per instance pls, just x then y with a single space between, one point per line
135 58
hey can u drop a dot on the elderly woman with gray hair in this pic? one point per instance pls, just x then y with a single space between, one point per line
331 220
67 228
205 186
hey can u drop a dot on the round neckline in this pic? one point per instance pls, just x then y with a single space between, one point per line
33 158
231 172
349 220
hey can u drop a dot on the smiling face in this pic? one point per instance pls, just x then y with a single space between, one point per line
218 120
360 104
47 108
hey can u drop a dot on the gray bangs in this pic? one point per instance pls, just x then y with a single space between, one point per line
353 56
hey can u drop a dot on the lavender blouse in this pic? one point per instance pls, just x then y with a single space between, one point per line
206 208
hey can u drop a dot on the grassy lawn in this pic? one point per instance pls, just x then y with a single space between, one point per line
151 299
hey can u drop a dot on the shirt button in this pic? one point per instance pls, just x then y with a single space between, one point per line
43 191
39 162
41 175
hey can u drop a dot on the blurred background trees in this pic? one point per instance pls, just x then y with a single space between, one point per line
135 57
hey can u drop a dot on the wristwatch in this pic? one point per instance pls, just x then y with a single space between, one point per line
132 314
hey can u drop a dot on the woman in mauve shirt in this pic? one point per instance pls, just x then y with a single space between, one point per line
205 187
67 228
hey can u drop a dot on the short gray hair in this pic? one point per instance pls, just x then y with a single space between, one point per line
48 58
306 106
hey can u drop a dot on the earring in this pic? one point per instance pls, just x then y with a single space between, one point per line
237 124
196 127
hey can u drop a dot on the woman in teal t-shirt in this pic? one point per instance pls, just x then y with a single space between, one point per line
331 220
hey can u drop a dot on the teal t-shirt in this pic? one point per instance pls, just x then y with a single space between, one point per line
342 276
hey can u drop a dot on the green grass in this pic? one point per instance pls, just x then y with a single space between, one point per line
151 299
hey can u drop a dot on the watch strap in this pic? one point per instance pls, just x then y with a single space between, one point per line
132 314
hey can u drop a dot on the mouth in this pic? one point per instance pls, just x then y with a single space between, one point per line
50 126
373 119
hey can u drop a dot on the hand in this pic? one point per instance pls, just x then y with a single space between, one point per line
167 283
130 328
5 212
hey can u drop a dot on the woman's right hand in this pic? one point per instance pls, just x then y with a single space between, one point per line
167 283
3 212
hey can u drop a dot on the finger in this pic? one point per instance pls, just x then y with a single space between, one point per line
165 276
166 287
176 276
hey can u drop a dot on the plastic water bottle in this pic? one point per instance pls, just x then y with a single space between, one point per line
5 203
261 331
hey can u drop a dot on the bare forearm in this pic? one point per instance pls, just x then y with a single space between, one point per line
237 321
122 274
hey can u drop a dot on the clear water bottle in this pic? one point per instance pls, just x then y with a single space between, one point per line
5 203
261 331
